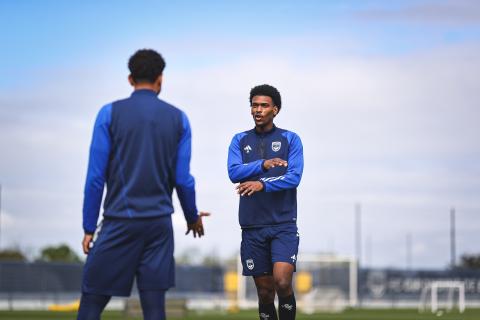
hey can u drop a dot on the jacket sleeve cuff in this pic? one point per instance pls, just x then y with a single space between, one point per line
264 186
191 219
263 168
89 232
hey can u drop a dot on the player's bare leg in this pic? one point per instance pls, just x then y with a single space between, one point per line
282 277
266 297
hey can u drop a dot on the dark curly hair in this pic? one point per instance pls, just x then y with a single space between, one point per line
269 91
146 65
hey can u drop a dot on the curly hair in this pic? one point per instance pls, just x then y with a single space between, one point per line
146 65
269 91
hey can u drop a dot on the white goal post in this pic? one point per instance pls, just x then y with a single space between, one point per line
431 293
322 282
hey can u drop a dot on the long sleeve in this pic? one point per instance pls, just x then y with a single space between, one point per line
97 168
237 170
185 183
292 177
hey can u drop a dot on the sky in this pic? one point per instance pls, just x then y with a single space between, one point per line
384 95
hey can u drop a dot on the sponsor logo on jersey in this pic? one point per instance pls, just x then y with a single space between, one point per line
250 264
276 145
247 149
264 316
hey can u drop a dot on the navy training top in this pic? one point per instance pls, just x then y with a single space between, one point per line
277 202
141 149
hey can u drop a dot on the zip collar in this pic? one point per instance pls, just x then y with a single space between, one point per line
265 133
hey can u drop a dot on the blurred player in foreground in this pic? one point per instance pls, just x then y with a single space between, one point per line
267 162
141 149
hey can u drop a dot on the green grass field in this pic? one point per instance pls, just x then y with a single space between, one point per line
364 314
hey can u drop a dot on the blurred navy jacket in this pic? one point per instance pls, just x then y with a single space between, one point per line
141 149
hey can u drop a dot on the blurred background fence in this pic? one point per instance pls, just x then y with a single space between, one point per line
326 285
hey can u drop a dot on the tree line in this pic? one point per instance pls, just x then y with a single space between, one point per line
59 253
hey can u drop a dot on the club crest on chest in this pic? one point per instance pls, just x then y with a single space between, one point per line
276 145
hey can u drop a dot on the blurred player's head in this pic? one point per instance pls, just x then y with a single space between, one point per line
146 69
265 102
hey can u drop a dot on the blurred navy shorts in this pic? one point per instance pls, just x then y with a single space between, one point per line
127 248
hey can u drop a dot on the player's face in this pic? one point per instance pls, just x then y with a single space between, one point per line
263 111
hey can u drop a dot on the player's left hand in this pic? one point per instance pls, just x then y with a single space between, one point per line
249 187
197 227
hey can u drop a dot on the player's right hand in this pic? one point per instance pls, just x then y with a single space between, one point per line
87 239
197 227
275 162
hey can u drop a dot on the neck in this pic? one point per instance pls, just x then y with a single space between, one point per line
146 86
265 128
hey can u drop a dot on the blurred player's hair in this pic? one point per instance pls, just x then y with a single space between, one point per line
269 91
146 65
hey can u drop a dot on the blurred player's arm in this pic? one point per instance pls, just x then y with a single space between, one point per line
237 170
185 183
97 168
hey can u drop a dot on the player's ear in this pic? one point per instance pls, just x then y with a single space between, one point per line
159 79
275 110
158 83
130 80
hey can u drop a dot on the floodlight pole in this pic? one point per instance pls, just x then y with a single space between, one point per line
452 238
358 232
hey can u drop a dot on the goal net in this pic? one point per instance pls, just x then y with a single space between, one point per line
442 295
321 282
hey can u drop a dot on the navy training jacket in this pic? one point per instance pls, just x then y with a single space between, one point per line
141 149
277 203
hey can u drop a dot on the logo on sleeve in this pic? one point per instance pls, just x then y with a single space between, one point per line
247 149
250 264
276 145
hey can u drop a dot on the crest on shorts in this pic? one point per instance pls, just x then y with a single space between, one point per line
250 264
276 145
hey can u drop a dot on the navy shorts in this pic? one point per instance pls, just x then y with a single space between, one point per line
262 247
129 248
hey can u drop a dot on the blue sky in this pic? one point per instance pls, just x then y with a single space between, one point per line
61 33
383 94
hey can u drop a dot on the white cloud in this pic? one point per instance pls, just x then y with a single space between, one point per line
397 133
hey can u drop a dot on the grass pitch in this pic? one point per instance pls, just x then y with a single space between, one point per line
352 314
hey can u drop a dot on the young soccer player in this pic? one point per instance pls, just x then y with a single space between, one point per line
141 149
267 162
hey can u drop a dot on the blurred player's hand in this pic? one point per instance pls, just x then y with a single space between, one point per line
197 227
275 162
87 239
248 188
